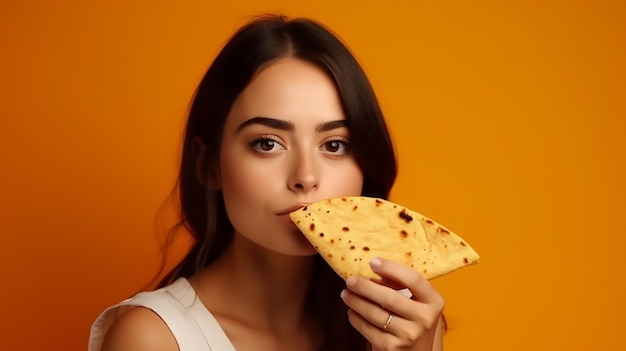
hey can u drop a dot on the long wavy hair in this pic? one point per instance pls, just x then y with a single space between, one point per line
203 214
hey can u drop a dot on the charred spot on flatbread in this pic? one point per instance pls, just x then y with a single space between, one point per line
442 230
405 216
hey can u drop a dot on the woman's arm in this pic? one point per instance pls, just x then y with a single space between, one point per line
439 333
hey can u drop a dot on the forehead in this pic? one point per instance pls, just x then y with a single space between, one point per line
289 89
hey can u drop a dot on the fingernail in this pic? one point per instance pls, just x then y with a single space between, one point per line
375 262
343 293
350 281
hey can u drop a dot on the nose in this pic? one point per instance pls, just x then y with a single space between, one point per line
304 175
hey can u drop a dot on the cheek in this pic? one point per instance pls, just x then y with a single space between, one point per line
346 180
246 181
238 177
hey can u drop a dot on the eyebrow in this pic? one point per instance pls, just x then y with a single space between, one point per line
288 126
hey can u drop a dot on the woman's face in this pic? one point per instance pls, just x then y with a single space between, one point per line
285 144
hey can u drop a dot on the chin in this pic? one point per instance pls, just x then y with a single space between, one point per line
299 247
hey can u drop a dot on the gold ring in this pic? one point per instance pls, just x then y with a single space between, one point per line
384 328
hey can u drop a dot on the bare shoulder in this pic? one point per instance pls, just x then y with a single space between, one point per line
139 329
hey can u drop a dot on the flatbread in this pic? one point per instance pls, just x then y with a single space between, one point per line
349 231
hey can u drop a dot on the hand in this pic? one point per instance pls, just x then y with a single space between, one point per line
414 320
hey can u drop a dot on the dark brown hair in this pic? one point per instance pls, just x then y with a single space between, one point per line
203 213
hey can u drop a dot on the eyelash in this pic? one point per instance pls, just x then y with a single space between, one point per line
255 145
343 141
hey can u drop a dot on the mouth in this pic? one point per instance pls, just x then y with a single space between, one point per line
290 209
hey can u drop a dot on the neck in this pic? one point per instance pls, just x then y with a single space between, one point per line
258 287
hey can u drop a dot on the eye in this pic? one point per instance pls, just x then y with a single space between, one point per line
266 144
336 147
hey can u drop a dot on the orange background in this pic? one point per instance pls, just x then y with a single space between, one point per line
509 117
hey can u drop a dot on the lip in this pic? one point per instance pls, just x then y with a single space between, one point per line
290 209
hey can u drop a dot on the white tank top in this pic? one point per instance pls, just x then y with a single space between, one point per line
191 323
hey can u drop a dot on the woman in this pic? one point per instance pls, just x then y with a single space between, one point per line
284 117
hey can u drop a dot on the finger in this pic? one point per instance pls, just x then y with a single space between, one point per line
374 334
368 310
387 283
399 331
374 301
407 277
